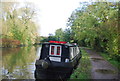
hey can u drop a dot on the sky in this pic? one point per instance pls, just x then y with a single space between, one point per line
53 14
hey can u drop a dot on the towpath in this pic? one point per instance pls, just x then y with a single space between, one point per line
101 68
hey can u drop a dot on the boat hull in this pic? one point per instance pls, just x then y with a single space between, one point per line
56 70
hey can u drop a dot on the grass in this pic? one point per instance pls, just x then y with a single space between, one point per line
109 59
83 70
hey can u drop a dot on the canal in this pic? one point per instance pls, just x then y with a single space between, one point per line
19 63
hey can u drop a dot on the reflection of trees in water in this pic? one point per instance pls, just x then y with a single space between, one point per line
6 51
19 63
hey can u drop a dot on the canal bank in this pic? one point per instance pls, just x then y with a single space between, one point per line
101 68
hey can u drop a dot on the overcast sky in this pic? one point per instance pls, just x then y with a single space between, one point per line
53 14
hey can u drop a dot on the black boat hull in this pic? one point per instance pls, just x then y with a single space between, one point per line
56 70
53 73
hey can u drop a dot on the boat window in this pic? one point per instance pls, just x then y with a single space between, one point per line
55 50
75 51
52 50
71 52
58 50
78 50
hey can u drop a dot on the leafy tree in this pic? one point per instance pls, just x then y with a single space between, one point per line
51 37
96 26
67 35
17 22
59 34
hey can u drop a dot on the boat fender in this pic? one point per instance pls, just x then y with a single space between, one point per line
44 64
66 60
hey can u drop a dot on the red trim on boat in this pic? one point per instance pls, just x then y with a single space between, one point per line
61 42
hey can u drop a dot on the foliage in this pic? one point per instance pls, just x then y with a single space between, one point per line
59 34
112 61
96 26
51 37
9 43
17 22
63 35
67 35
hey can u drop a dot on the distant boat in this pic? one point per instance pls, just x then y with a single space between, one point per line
57 60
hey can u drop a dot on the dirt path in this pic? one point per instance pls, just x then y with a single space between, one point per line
101 69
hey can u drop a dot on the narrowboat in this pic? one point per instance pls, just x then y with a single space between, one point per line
57 60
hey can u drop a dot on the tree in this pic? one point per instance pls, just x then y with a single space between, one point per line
96 26
17 22
59 34
67 35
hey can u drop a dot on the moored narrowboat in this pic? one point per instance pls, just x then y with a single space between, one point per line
57 60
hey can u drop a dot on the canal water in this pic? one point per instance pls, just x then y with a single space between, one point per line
19 63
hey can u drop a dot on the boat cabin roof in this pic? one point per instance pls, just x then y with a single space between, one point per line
60 43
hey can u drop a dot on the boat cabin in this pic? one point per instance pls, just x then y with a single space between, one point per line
59 51
58 56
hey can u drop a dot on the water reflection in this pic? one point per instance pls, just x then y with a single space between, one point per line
19 63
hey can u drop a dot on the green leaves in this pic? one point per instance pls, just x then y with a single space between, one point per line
96 26
17 23
59 34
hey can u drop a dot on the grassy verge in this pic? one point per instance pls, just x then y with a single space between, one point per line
83 69
112 61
